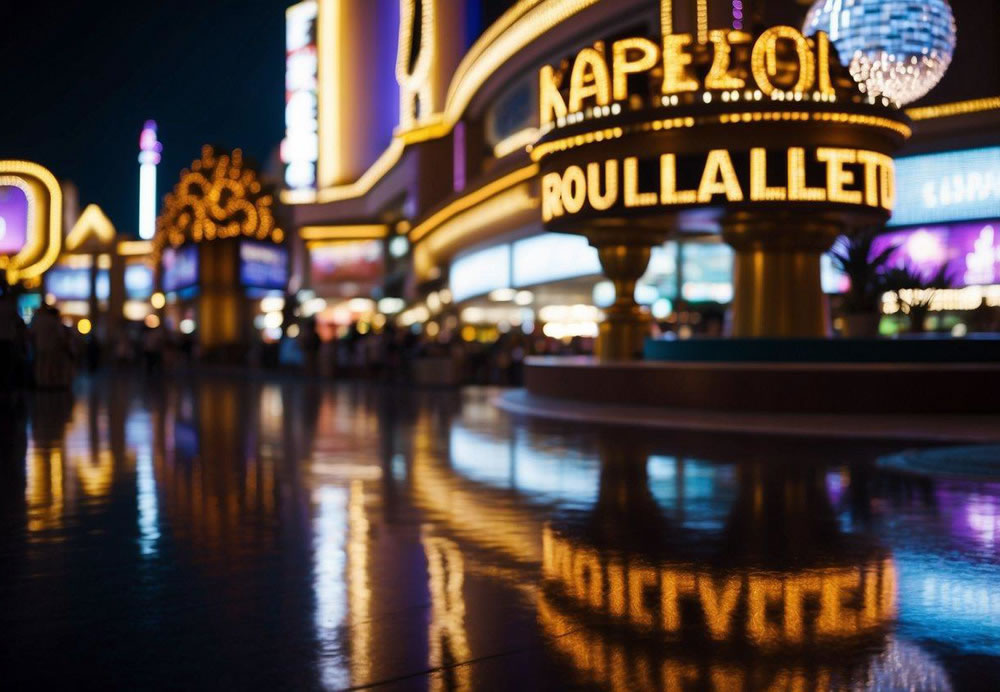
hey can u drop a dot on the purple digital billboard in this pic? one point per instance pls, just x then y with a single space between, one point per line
970 251
13 219
263 265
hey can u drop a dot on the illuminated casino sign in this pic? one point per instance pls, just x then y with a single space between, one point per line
727 119
825 174
300 148
30 220
781 61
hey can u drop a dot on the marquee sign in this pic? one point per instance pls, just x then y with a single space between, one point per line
643 127
30 220
825 174
764 137
781 63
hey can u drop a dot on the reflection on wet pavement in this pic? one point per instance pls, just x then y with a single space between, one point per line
285 535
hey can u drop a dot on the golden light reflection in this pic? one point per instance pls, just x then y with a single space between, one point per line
447 637
44 489
359 593
95 474
618 665
470 516
782 609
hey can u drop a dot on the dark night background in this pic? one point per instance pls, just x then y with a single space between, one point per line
81 76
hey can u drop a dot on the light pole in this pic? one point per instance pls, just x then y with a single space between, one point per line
149 156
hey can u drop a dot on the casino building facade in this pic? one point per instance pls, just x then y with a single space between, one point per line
415 195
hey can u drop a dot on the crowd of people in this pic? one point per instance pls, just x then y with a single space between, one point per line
47 353
42 355
403 355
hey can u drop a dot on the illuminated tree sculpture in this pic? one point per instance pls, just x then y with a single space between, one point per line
219 197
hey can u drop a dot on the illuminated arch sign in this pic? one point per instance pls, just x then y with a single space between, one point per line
30 220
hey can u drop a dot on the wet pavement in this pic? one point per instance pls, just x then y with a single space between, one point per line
243 533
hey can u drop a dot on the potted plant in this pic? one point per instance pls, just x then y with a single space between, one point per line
915 292
855 256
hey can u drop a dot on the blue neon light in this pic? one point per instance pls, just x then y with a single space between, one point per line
951 186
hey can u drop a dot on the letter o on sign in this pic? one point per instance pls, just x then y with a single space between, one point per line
574 189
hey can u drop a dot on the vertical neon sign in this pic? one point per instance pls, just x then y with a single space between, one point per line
300 148
149 156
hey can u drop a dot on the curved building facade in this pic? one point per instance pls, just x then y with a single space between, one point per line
411 182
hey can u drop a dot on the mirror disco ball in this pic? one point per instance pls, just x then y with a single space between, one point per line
898 49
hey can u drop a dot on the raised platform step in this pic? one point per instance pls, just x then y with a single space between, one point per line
943 429
854 388
921 349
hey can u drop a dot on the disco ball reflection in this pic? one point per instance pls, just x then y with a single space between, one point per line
897 49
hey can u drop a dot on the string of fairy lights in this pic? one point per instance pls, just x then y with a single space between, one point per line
218 197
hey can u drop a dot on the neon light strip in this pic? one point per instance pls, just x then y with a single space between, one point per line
135 248
415 84
361 232
516 142
702 21
314 244
329 54
540 151
472 199
946 110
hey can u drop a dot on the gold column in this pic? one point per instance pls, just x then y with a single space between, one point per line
777 291
624 255
220 303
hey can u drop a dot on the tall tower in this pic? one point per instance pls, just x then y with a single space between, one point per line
149 156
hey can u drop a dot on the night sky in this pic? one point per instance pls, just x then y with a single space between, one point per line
81 76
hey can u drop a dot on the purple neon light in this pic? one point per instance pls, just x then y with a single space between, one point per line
971 251
13 219
148 144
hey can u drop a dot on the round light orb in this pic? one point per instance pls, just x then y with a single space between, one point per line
895 49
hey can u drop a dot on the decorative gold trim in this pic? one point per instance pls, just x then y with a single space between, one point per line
470 200
357 232
540 151
135 248
946 110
